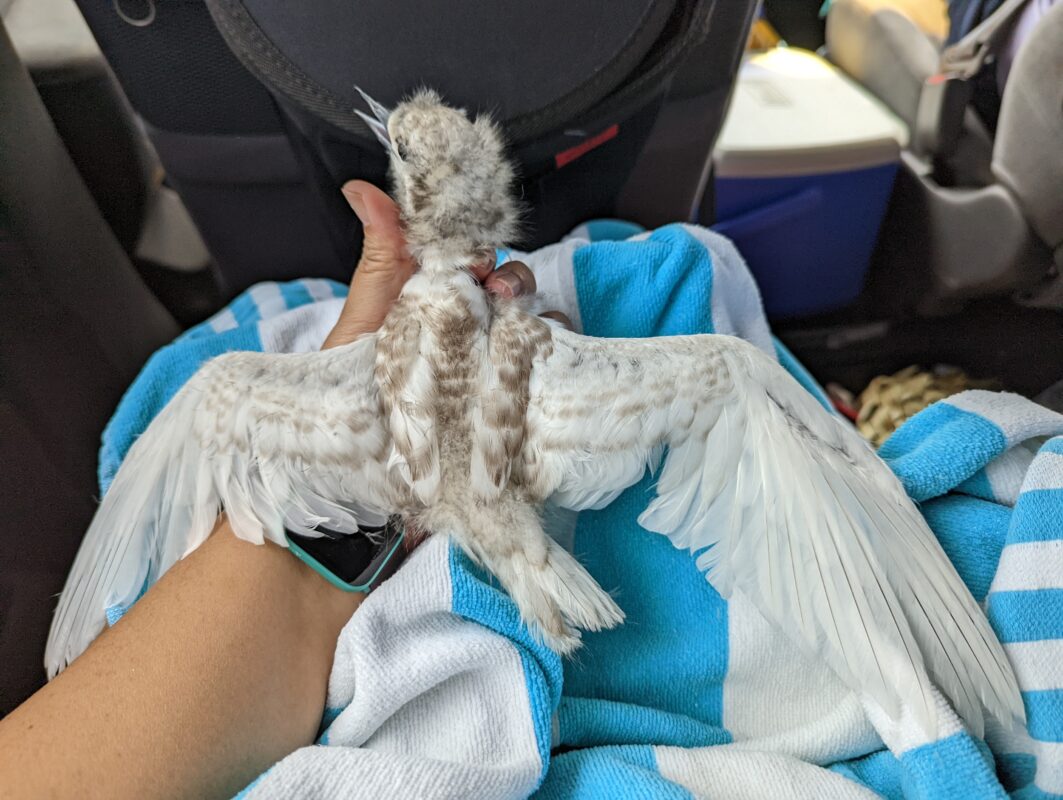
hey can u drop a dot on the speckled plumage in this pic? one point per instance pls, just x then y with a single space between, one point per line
465 414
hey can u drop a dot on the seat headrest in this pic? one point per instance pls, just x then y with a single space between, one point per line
883 47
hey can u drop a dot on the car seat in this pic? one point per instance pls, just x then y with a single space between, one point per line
250 106
977 213
112 153
76 323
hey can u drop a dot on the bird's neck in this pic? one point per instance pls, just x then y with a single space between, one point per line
442 253
442 266
442 263
451 288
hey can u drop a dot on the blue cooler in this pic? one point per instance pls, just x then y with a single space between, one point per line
804 168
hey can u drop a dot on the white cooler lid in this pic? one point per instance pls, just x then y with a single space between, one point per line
793 113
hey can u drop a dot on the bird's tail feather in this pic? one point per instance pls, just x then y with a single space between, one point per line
553 592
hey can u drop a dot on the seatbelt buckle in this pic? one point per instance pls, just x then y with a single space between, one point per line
939 118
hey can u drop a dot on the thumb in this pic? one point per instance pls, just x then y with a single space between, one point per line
384 246
384 267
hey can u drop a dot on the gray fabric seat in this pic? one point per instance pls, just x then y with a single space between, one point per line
885 51
76 324
1028 153
984 217
258 155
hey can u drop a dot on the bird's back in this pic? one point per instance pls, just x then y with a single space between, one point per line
453 367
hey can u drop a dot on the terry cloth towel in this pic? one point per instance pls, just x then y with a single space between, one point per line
437 691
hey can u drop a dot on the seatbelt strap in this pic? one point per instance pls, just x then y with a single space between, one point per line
946 94
966 58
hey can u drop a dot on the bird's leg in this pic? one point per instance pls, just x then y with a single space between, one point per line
552 590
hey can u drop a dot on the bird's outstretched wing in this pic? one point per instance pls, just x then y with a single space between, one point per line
780 500
290 440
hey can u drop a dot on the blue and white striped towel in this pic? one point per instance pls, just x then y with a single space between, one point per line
436 690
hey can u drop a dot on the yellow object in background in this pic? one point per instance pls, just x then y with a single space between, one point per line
889 400
763 36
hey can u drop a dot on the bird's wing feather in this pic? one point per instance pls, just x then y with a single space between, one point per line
780 500
281 440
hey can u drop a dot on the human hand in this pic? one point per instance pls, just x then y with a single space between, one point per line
386 265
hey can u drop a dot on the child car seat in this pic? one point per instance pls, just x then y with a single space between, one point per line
250 104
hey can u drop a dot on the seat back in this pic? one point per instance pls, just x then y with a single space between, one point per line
890 48
259 168
1028 152
88 109
220 138
76 324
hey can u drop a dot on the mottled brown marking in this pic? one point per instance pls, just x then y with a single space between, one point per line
630 409
397 349
358 423
516 340
418 194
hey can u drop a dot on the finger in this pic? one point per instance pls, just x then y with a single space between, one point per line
512 279
383 269
371 205
384 246
557 316
483 269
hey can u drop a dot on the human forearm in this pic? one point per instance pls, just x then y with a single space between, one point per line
217 673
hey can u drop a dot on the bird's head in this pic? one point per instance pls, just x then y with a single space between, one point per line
452 179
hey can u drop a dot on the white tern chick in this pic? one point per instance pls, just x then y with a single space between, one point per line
464 414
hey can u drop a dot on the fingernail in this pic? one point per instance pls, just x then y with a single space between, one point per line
358 204
507 284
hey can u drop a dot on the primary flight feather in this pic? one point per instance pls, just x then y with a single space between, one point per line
464 414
